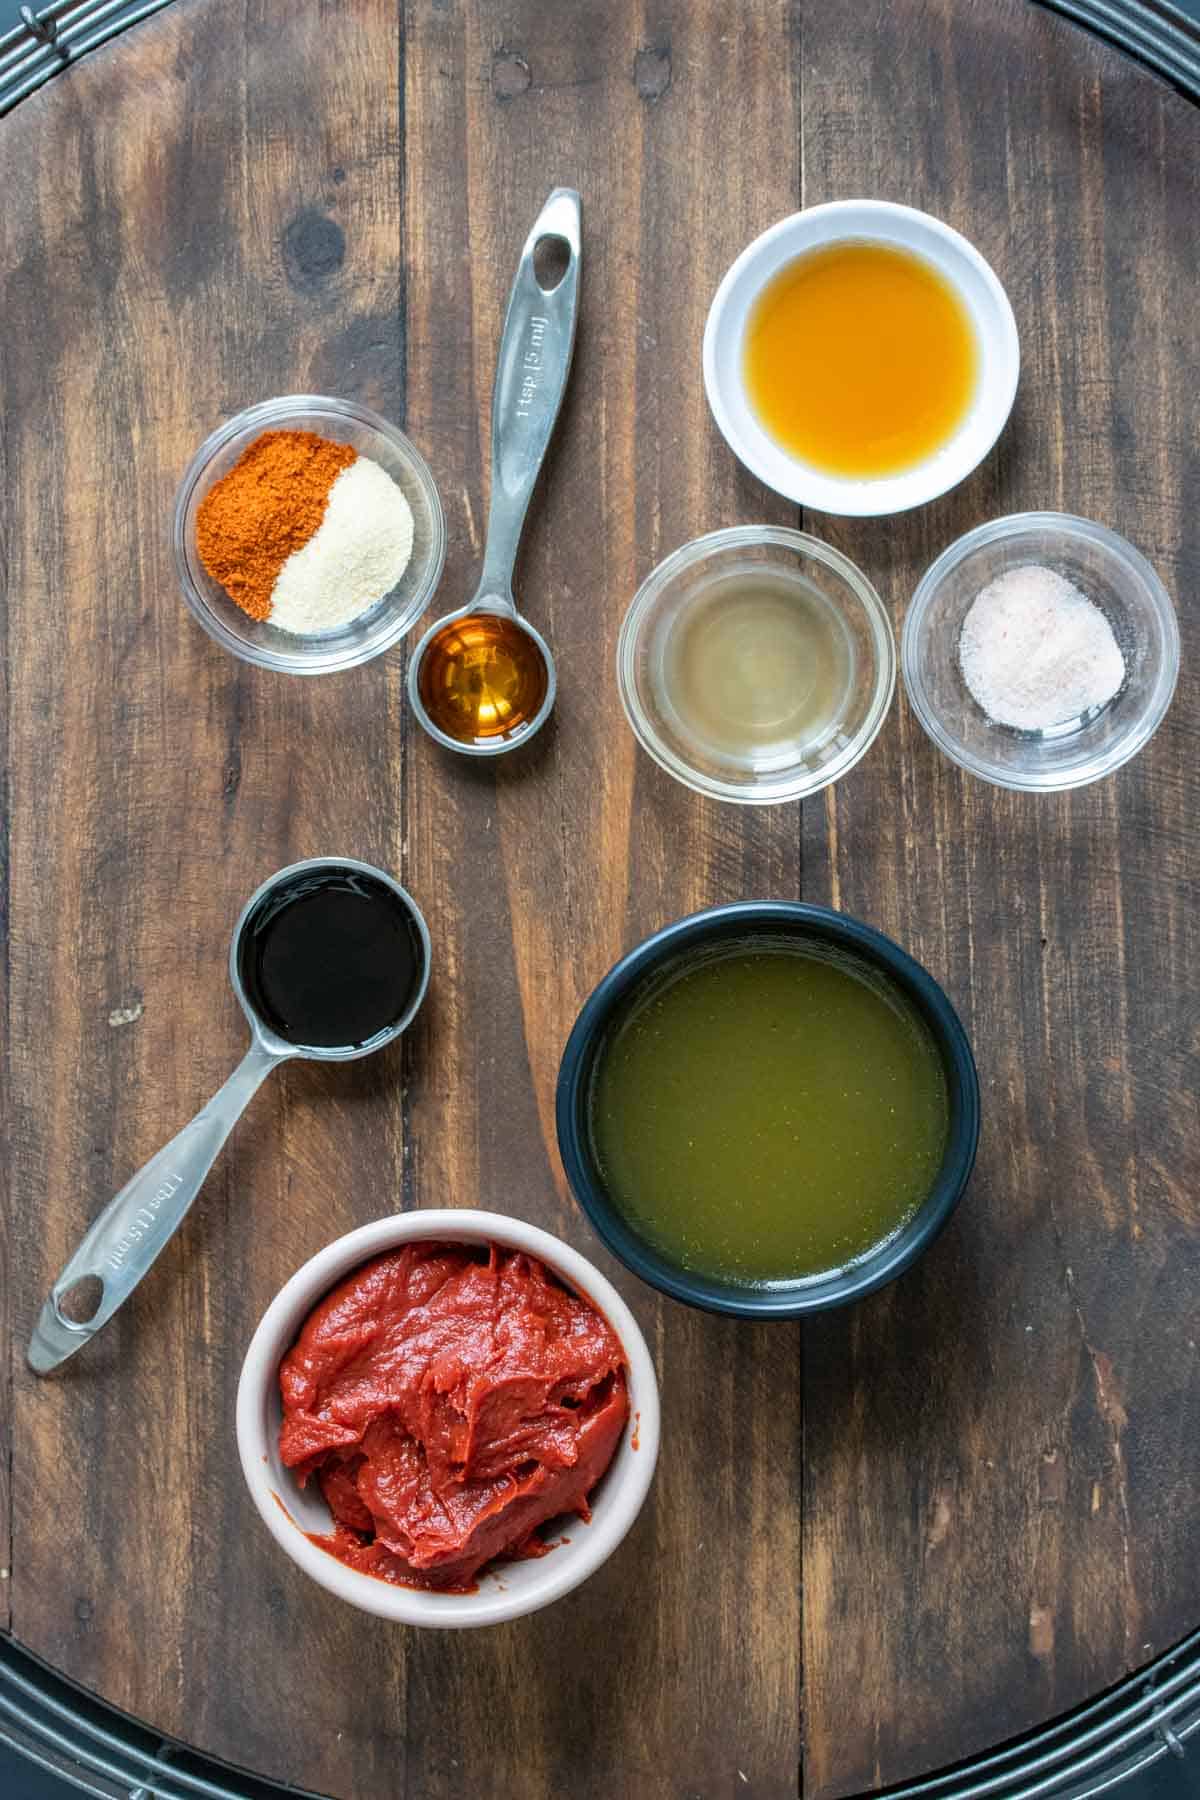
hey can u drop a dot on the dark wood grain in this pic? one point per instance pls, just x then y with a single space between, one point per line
1002 1452
537 876
970 1502
163 283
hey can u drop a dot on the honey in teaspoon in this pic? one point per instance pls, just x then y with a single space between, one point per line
481 678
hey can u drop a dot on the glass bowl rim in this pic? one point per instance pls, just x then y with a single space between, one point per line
1073 528
802 544
264 414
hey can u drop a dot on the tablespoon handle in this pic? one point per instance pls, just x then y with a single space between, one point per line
531 377
135 1226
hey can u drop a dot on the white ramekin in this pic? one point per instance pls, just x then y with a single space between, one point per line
513 1589
861 221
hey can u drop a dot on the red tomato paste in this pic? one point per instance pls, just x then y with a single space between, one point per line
449 1401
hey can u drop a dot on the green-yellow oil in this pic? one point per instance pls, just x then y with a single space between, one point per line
768 1113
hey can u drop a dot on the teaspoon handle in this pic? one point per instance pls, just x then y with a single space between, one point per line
531 377
136 1225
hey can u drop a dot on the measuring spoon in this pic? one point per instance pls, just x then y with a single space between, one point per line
135 1226
531 377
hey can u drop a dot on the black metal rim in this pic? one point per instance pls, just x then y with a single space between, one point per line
51 39
1153 32
88 1744
1150 1715
1153 1714
745 920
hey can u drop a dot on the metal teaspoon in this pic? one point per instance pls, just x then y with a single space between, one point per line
531 377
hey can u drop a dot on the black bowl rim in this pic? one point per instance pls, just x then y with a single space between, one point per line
817 1294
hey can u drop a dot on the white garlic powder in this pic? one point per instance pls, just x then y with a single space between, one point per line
356 555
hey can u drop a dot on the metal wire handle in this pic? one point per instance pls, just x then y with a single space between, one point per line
49 40
1154 32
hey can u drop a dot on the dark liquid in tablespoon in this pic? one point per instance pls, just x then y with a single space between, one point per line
331 960
482 678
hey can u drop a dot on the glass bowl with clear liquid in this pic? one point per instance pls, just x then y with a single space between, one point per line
756 664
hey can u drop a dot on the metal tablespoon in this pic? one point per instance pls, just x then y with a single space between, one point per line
136 1226
531 377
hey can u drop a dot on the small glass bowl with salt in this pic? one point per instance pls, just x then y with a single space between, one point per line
321 647
1040 651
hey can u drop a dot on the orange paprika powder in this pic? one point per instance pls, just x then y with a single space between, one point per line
264 509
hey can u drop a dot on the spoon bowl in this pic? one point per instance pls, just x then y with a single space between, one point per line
507 698
283 889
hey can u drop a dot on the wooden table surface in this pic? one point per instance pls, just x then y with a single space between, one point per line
874 1544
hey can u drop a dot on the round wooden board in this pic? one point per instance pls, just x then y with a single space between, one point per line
874 1545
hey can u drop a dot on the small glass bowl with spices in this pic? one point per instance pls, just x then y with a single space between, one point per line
1040 651
308 534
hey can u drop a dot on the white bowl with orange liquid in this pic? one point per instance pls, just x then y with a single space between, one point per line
861 357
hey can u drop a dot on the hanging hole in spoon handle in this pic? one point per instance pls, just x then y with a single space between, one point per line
551 260
137 1224
81 1302
536 347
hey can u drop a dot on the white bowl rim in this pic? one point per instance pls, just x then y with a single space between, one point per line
272 413
1000 365
787 788
1070 526
559 1572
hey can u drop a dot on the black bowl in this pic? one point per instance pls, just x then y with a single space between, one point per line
737 924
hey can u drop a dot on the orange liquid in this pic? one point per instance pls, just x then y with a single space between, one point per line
860 359
481 678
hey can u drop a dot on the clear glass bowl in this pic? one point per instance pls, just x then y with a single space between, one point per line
1116 578
663 600
256 640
